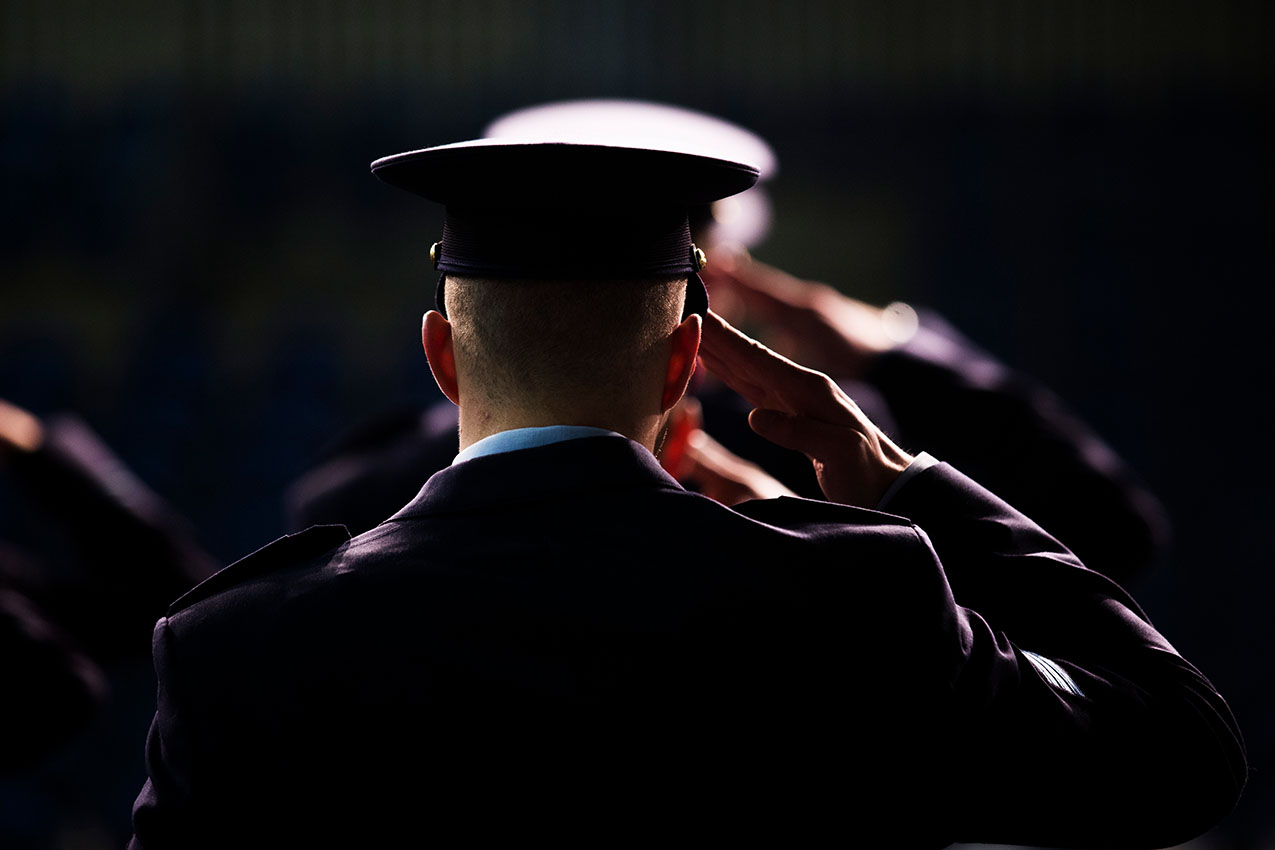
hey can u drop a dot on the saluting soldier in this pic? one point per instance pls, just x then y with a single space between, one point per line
556 642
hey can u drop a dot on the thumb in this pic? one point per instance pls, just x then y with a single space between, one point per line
800 433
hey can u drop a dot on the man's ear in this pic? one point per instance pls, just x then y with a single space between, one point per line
683 349
436 336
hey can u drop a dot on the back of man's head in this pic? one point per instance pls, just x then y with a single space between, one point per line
582 300
563 348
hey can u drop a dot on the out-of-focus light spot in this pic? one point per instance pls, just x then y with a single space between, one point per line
900 322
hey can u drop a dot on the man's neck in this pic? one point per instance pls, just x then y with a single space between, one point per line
480 423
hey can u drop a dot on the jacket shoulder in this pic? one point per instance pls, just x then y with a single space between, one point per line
289 550
789 509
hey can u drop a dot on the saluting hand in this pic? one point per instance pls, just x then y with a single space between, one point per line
805 410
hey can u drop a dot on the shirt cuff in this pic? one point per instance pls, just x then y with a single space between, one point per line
919 464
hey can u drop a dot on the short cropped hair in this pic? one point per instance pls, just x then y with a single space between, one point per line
537 342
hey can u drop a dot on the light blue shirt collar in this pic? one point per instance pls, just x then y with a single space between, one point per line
529 438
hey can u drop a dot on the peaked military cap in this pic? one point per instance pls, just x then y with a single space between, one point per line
561 210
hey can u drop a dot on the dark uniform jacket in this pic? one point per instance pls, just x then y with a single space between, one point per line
561 645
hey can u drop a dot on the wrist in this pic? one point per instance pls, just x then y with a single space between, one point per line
892 463
920 463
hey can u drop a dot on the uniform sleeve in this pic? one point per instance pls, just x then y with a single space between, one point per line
1076 722
163 814
1021 441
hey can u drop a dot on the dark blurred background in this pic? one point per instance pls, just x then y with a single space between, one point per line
195 258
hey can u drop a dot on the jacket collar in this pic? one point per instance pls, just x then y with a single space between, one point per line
593 464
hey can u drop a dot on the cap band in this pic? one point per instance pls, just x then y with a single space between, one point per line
640 243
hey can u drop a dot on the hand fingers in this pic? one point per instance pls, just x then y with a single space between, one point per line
767 379
727 353
737 376
735 355
749 391
811 437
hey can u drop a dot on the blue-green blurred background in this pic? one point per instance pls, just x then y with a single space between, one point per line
195 258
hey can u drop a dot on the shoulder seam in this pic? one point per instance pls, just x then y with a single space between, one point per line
820 510
287 550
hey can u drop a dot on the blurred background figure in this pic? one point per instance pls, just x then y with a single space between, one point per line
54 688
100 557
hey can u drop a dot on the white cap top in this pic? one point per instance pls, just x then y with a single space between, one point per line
637 123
